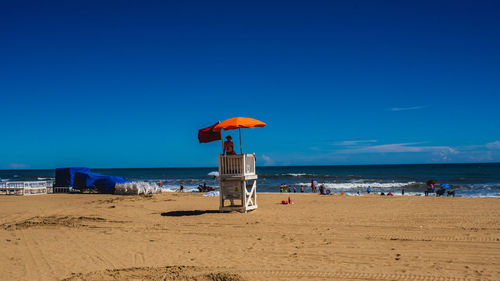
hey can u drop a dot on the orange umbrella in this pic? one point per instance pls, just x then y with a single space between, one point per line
238 123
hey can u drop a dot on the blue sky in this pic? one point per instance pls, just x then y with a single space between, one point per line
129 83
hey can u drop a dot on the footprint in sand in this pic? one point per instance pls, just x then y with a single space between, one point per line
139 258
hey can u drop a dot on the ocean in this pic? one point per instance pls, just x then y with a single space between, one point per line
471 180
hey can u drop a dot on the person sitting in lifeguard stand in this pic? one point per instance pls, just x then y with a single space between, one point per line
228 147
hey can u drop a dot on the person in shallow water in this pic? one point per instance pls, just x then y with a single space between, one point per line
228 147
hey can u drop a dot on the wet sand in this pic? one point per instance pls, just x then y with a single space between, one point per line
176 236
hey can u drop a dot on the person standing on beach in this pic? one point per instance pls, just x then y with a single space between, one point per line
294 189
182 188
313 187
430 187
368 189
228 147
302 188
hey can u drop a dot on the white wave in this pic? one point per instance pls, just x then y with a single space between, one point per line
358 181
362 186
296 175
214 174
487 186
187 188
487 195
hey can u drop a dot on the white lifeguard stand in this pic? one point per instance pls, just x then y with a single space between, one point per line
236 175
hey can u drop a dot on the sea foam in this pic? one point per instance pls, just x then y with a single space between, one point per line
135 188
361 185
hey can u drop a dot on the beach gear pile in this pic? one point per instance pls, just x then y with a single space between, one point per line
136 188
80 178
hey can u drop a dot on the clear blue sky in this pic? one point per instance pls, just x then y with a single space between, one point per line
129 83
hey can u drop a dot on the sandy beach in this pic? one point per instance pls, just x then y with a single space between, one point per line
177 236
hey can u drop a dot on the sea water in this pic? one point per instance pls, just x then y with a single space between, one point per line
474 180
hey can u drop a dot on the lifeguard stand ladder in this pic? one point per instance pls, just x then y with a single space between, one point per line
236 174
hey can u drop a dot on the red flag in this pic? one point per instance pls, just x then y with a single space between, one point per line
208 134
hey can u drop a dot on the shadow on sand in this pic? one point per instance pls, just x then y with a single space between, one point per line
188 213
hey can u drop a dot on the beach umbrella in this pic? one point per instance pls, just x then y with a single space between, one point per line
445 185
238 123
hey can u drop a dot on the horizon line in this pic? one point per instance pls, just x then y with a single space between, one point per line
273 166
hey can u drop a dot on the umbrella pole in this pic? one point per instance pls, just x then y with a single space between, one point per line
222 141
241 149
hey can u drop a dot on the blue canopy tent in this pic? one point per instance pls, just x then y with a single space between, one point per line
65 176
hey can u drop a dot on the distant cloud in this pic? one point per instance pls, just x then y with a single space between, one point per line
354 142
372 152
406 108
267 160
18 166
480 147
398 147
480 156
439 154
493 145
